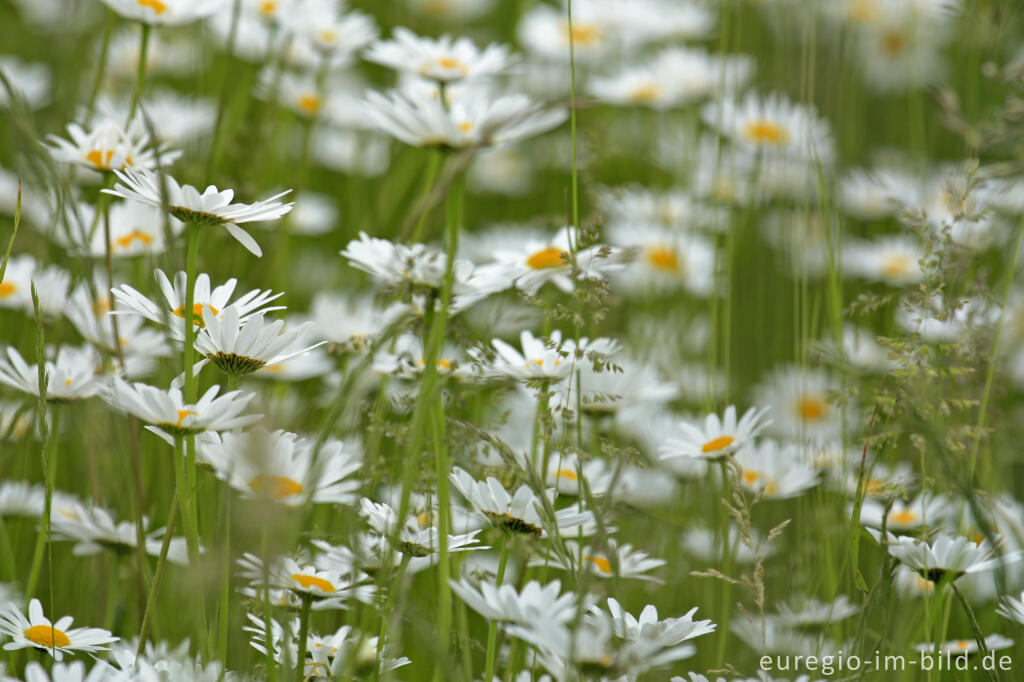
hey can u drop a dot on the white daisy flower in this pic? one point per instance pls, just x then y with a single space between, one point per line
135 230
673 78
441 59
304 580
212 208
773 125
352 323
109 147
30 82
412 537
241 348
330 30
945 556
717 437
38 632
966 647
777 471
205 299
1012 608
168 415
612 560
94 529
800 403
663 260
538 261
468 117
538 360
812 612
894 260
92 322
506 604
71 376
16 287
876 193
283 467
924 509
520 513
165 12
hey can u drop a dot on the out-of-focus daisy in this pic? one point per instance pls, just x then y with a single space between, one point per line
30 82
135 230
706 546
717 437
800 402
16 287
351 323
934 322
520 513
774 126
241 348
94 529
442 59
406 358
165 12
540 359
469 117
614 560
894 260
966 647
70 376
107 146
212 208
1012 608
37 631
168 415
876 193
330 30
924 509
283 467
778 471
673 78
215 300
812 612
662 260
329 586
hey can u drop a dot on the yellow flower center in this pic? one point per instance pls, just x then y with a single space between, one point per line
894 43
8 289
197 312
155 5
100 158
327 36
134 236
308 581
962 645
567 474
583 34
182 414
766 132
903 517
450 63
896 265
551 257
811 408
719 443
863 11
648 92
67 382
268 7
663 258
277 487
47 636
309 103
602 564
465 126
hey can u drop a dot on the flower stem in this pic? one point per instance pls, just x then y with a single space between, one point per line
50 467
979 636
140 77
161 563
300 663
492 628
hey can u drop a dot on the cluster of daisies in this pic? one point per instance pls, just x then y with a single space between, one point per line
492 433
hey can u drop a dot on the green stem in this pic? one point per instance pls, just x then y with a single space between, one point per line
979 636
492 628
50 467
300 663
161 564
140 77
